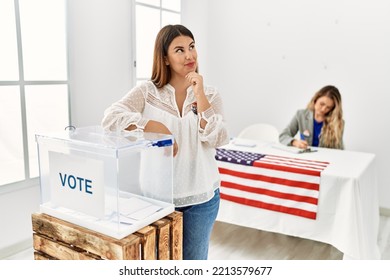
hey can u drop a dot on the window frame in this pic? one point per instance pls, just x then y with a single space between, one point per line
136 79
22 83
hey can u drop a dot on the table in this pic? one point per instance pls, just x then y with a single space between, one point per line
348 205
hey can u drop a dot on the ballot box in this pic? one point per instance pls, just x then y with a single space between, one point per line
114 183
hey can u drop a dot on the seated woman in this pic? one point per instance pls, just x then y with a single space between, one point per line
321 124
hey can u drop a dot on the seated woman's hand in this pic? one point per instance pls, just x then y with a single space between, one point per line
301 144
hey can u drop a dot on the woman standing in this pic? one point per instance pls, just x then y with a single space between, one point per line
175 101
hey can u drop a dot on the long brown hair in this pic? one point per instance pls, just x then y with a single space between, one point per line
161 73
332 131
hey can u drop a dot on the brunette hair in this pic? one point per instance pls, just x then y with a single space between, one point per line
333 128
161 73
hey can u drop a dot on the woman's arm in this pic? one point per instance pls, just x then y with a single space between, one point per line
126 114
156 127
286 137
214 131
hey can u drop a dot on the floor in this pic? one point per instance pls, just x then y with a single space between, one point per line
233 242
230 242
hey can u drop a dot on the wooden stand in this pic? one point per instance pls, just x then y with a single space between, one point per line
56 239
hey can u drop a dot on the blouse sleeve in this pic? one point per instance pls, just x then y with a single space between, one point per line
215 132
126 112
288 134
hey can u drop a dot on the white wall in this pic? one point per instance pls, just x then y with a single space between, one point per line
16 208
268 57
100 56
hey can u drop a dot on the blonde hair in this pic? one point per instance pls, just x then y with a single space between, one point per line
332 131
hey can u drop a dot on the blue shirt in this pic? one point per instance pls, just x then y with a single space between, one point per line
317 126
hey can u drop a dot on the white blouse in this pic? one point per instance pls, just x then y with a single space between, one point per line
196 174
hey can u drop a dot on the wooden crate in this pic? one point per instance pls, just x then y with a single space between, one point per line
56 239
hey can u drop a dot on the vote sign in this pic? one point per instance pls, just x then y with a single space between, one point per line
77 183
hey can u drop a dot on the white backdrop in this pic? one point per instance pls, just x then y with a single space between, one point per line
269 57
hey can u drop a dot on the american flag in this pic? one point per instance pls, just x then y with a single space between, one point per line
277 183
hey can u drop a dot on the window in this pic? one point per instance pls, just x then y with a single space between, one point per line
34 94
150 17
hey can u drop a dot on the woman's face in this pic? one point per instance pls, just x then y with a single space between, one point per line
182 56
323 106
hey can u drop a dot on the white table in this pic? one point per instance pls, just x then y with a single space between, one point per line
348 207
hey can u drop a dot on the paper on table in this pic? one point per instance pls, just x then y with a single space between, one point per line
130 205
145 212
134 209
292 149
126 220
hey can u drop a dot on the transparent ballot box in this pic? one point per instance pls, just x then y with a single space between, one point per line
111 182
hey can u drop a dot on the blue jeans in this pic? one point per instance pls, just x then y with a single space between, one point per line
198 222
